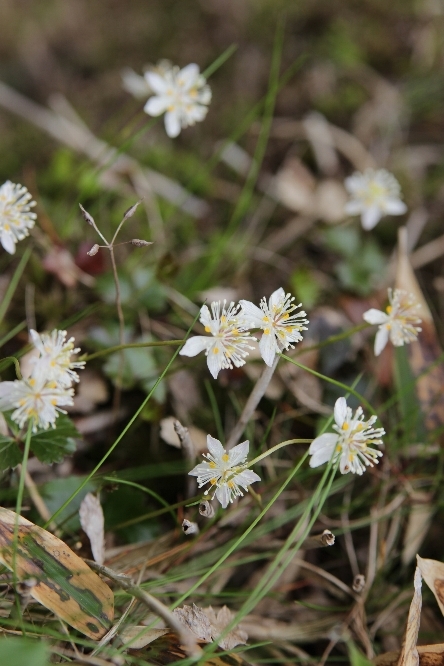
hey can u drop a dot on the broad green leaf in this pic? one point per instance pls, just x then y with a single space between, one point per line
10 454
20 651
65 584
54 444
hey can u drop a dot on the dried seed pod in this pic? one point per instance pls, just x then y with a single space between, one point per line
189 528
93 251
130 212
358 583
327 538
89 218
140 243
206 509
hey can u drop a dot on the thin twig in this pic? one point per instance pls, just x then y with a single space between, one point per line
252 402
156 606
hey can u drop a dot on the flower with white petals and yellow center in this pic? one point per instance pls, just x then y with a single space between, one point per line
55 357
36 399
399 322
225 471
351 443
229 343
182 94
16 217
373 194
280 324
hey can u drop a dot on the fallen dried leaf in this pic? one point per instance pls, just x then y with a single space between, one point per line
409 654
139 636
93 524
418 524
65 584
433 573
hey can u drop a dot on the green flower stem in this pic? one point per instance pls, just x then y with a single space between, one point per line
334 338
18 509
132 345
346 388
276 448
243 536
14 282
123 433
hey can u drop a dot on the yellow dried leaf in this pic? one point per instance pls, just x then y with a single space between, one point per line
65 584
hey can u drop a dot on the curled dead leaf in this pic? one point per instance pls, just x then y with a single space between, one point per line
65 584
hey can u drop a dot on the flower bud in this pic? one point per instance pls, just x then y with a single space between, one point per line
189 528
89 218
206 509
140 243
93 251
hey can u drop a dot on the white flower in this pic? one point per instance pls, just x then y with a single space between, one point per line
398 322
350 445
229 342
16 217
225 471
280 327
373 194
55 357
182 94
34 399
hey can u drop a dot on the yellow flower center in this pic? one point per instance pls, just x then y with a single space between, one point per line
345 426
213 481
213 465
225 457
207 329
267 331
388 309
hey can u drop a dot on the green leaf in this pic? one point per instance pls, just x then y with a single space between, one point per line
54 444
19 651
356 657
10 454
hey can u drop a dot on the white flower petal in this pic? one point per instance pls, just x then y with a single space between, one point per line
353 207
155 106
223 494
215 359
7 240
172 124
205 316
195 345
215 447
326 440
268 347
188 75
277 297
252 316
322 456
201 468
246 478
395 207
157 83
238 453
381 339
340 411
374 316
370 217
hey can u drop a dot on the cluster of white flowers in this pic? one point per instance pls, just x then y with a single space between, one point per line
280 324
351 443
226 472
399 322
373 194
40 398
16 216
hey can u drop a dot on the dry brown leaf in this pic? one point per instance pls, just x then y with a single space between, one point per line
409 653
93 524
196 621
433 573
139 636
65 584
294 187
418 524
429 655
426 349
170 436
219 621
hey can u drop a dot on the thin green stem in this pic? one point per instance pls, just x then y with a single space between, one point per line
215 408
12 286
122 434
220 61
148 491
332 381
276 448
333 338
132 345
12 333
18 507
243 536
